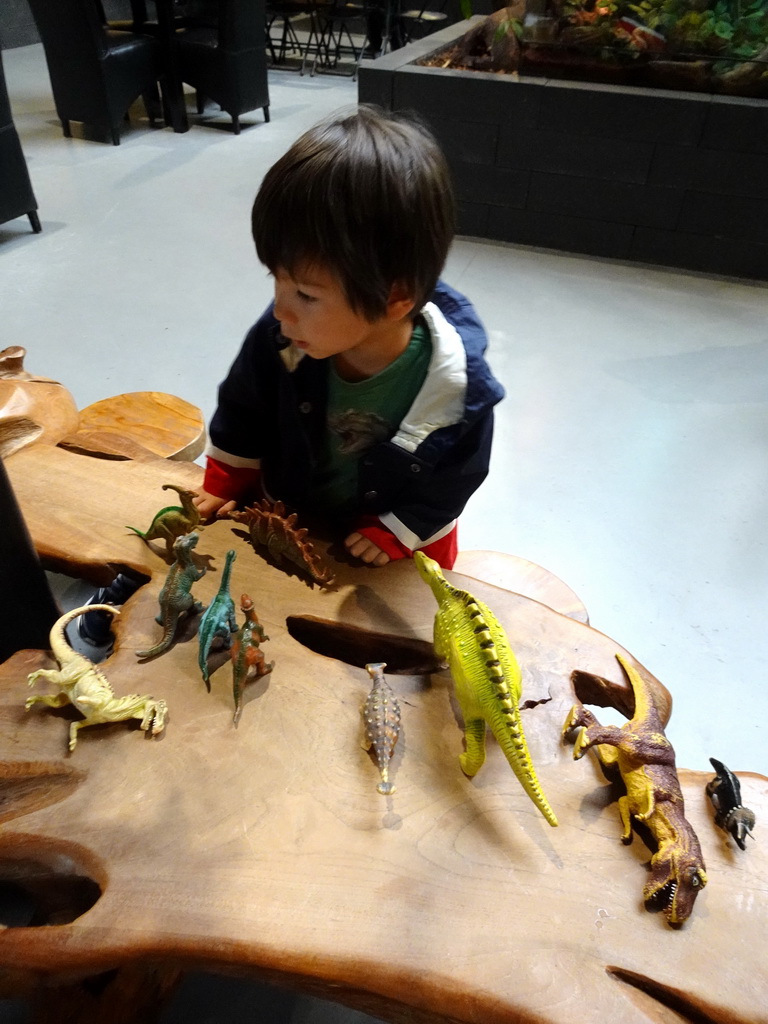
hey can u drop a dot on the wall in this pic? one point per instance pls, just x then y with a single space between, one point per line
17 27
652 175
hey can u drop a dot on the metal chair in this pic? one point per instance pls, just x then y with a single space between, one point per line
287 50
338 52
422 21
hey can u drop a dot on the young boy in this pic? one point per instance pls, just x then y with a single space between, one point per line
361 394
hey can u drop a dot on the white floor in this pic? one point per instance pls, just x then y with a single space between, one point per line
631 456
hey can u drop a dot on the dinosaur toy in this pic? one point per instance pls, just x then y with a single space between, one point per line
269 524
381 720
219 622
173 521
247 658
82 684
646 762
175 597
725 793
487 677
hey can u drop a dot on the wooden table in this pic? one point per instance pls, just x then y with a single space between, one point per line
267 850
139 425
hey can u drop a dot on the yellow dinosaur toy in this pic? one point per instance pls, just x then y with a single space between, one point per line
487 677
82 684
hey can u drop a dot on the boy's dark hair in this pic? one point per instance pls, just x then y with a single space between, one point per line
366 195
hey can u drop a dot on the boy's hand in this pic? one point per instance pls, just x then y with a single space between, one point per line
365 550
209 505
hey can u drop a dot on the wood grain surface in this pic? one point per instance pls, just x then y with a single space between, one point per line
34 409
267 849
170 427
77 508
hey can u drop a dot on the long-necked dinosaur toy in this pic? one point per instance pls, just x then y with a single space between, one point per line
487 676
219 622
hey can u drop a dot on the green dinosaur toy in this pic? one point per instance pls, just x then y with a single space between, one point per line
487 677
219 622
83 685
247 658
646 761
173 521
175 597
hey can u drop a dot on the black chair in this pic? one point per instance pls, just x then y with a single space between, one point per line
16 195
227 63
386 29
96 72
138 22
185 13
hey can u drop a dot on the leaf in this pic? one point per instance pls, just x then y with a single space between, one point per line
745 50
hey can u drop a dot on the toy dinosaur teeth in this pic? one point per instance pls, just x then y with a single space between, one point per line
646 762
83 685
176 598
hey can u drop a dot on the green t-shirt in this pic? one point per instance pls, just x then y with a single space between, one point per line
363 413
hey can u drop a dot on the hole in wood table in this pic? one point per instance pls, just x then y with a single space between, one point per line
45 883
404 656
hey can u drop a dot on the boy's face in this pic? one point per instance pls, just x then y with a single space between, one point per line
315 315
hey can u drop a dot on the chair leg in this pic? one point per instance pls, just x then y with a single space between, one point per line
236 124
34 220
313 39
66 129
266 114
268 23
152 104
115 135
200 101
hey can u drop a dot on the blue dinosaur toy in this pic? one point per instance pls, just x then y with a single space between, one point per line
219 622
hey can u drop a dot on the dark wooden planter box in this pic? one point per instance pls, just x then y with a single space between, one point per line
676 178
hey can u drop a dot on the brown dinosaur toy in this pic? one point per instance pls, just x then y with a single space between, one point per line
247 658
646 761
270 524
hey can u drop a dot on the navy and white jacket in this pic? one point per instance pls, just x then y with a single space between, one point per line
271 416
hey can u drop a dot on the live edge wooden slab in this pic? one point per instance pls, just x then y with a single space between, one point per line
266 849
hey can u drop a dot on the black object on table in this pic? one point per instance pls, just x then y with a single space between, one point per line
28 609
